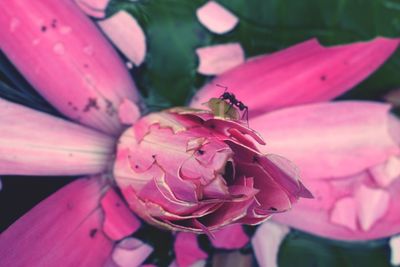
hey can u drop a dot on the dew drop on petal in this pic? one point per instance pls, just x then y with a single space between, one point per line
59 49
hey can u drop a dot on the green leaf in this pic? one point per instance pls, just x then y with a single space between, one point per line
304 250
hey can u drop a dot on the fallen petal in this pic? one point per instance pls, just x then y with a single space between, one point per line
219 58
304 73
395 250
35 143
230 237
67 226
187 250
126 34
216 18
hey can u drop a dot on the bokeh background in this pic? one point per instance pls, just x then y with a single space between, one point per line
168 77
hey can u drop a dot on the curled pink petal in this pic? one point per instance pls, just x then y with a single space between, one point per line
126 34
330 139
66 58
35 143
187 250
185 169
219 58
68 227
119 221
130 252
395 250
266 243
304 73
93 8
230 237
216 18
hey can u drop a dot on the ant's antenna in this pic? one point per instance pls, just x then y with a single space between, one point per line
225 87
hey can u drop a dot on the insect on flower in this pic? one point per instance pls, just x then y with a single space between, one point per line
227 106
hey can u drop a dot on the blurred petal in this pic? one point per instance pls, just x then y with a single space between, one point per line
395 250
187 250
130 252
230 237
66 58
126 34
384 174
128 112
347 208
216 18
304 73
266 243
330 139
219 58
119 221
35 143
62 230
93 8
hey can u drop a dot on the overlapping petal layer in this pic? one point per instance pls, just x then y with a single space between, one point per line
35 143
65 57
304 73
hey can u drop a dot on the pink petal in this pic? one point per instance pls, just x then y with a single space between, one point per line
372 205
66 58
266 243
219 58
62 230
386 173
128 112
36 143
216 18
187 250
376 209
119 221
130 252
93 8
126 34
230 237
330 139
304 73
344 213
395 250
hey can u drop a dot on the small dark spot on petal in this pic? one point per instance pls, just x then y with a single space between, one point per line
153 156
43 28
117 204
93 233
85 66
70 206
323 77
92 103
212 126
201 152
273 209
54 23
137 166
255 158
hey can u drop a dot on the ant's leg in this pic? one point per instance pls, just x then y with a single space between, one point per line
246 113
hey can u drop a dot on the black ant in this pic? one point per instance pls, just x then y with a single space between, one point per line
234 102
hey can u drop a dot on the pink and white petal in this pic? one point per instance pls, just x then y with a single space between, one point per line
187 250
35 143
266 243
304 73
126 34
130 252
325 215
216 18
119 221
230 237
68 227
93 8
330 139
219 58
67 59
384 174
395 250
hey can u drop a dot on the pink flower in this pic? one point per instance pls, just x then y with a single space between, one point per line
55 47
185 169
